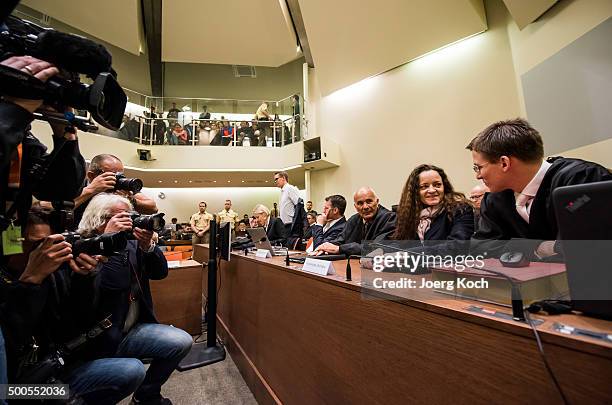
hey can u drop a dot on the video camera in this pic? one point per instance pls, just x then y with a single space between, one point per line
72 54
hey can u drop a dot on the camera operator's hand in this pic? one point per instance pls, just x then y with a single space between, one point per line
119 222
104 182
85 264
38 68
143 237
46 258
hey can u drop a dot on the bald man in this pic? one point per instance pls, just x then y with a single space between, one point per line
371 222
476 196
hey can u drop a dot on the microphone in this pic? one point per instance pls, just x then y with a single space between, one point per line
349 274
72 52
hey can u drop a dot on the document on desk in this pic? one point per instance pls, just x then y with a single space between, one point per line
173 264
318 266
263 253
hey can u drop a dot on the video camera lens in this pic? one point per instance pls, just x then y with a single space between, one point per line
128 184
105 244
153 222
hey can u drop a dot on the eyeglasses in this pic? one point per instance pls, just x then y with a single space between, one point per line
478 168
276 179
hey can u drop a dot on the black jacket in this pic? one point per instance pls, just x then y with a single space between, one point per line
115 282
499 219
276 231
320 237
54 312
355 231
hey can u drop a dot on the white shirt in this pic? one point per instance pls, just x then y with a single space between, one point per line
531 189
329 224
289 198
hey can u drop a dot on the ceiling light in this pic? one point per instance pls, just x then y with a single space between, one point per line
159 181
214 181
229 181
191 181
243 181
176 181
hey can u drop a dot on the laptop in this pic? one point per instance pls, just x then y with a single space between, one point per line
260 240
584 217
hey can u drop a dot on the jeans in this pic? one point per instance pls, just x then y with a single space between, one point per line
166 345
106 381
3 377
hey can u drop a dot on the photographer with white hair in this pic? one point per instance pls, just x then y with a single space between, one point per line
124 293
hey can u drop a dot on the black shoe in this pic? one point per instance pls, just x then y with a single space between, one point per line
155 401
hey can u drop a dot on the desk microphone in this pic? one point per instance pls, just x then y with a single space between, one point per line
348 266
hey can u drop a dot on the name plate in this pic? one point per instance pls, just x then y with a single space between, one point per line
263 253
318 266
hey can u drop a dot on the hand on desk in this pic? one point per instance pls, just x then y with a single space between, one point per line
326 248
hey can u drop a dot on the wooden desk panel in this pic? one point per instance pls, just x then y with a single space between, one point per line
302 338
177 299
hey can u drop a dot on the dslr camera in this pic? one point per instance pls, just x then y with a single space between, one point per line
153 222
127 184
106 244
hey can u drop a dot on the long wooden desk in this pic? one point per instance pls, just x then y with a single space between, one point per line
299 338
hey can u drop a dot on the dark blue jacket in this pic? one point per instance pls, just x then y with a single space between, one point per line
320 237
115 280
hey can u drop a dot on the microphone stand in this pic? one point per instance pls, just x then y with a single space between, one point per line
208 352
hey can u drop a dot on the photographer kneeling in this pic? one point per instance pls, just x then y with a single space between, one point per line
47 306
124 292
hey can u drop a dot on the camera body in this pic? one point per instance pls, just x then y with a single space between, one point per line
127 184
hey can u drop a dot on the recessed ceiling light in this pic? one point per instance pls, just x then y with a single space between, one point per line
191 181
176 181
229 181
159 181
243 181
266 181
214 181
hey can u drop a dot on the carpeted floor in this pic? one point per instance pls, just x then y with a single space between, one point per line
219 384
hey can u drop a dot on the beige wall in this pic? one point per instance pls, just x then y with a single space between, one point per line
218 81
427 111
423 112
132 70
182 202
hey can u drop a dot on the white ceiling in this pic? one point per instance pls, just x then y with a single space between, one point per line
232 32
351 41
117 22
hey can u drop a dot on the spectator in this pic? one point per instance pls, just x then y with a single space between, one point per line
311 219
227 133
205 115
295 104
308 206
129 129
178 135
214 134
173 114
245 131
263 117
274 212
200 225
241 230
288 199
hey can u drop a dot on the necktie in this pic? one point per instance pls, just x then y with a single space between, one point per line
522 206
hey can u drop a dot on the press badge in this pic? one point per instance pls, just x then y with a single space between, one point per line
11 241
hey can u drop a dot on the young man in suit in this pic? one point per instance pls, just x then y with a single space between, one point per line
508 157
330 223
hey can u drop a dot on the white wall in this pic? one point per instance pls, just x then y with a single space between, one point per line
183 202
423 112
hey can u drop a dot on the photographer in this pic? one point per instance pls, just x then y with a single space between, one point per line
31 171
102 177
124 292
48 302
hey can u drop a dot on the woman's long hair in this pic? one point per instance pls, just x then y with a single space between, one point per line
410 206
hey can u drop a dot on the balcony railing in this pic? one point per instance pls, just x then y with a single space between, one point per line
187 131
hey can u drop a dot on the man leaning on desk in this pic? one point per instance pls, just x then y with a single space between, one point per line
508 157
371 222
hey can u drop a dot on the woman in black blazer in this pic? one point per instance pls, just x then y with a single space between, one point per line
274 226
432 212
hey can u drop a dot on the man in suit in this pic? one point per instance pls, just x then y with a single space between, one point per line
275 229
476 195
331 222
371 222
508 157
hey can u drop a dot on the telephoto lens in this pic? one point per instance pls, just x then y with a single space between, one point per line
105 244
153 222
128 184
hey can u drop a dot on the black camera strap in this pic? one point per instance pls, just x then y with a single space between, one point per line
92 333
